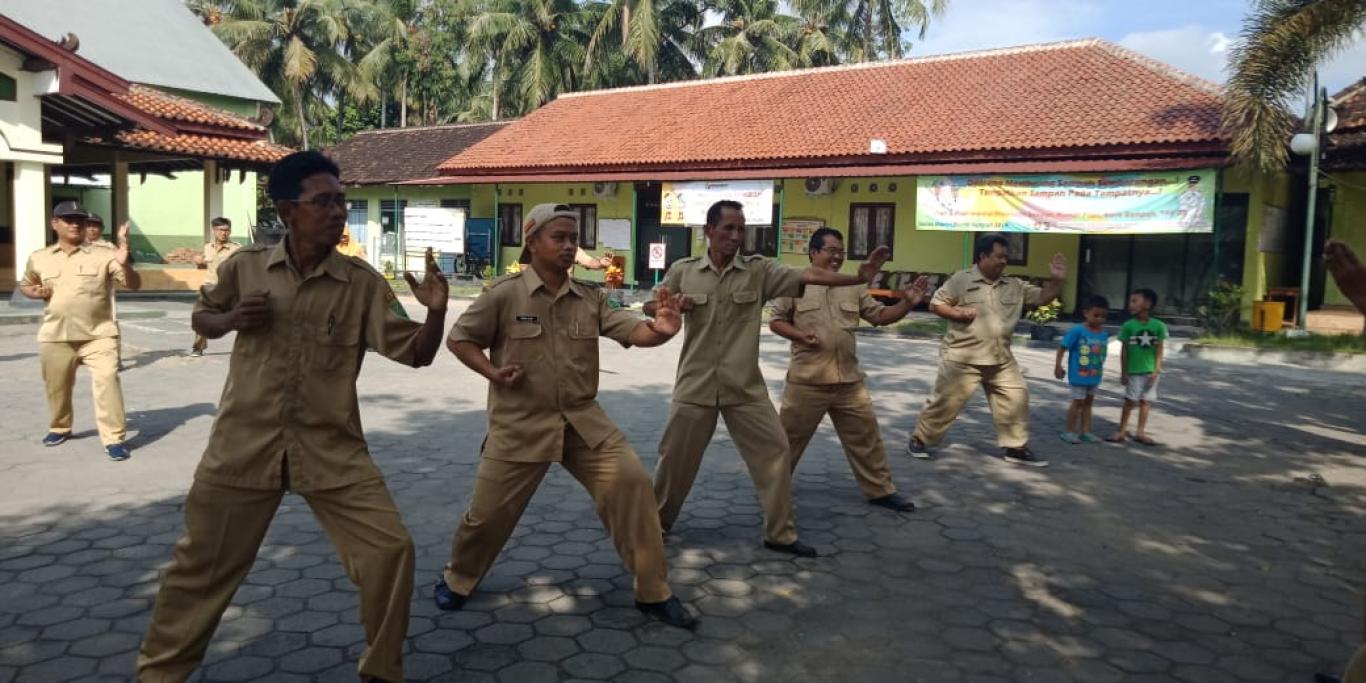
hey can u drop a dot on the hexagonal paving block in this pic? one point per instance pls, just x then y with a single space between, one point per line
608 641
62 669
504 634
548 648
307 622
593 665
655 658
311 660
240 669
529 672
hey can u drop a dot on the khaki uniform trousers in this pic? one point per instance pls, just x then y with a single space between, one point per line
620 488
1007 397
851 411
224 527
758 435
60 360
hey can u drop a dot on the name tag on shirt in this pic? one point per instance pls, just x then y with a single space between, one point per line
528 319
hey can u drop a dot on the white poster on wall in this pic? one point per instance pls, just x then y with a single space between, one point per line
687 203
432 226
614 233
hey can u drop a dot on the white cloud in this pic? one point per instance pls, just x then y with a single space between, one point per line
1192 48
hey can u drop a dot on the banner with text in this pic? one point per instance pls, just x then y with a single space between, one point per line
687 203
1149 202
430 225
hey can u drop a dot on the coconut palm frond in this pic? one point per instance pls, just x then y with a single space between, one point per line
1281 44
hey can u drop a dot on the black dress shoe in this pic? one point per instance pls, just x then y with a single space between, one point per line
1024 456
670 611
917 449
794 548
894 502
447 599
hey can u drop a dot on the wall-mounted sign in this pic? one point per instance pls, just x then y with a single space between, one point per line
1149 202
687 203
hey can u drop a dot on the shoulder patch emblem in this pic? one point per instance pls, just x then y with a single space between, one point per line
394 305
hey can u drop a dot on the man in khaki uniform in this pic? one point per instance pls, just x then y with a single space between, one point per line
541 328
824 375
94 232
215 253
982 306
77 281
718 373
289 420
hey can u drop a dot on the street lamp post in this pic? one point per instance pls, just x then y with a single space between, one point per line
1310 144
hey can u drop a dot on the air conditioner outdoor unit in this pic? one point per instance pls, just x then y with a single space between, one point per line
604 189
820 186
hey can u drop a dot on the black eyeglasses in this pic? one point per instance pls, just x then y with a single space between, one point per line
834 251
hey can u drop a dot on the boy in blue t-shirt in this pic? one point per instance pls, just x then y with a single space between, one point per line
1085 347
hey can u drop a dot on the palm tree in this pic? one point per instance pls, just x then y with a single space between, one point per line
871 29
533 49
753 36
658 37
296 48
1282 42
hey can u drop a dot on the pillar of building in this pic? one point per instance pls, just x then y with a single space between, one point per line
213 195
31 214
118 191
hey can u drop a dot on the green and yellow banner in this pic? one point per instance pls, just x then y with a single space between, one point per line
1149 202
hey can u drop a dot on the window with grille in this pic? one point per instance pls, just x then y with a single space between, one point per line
870 226
588 225
391 214
510 225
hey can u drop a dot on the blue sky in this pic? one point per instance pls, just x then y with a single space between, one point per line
1193 35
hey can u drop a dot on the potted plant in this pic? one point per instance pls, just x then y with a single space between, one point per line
1039 319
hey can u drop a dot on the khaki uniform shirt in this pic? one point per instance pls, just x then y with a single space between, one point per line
82 283
102 244
985 340
554 337
832 314
214 256
291 388
719 365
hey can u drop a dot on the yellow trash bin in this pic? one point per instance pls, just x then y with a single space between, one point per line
1268 316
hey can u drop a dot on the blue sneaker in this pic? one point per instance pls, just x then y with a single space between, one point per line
117 452
446 599
56 438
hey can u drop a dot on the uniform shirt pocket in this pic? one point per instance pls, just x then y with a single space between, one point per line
744 303
849 315
523 342
335 348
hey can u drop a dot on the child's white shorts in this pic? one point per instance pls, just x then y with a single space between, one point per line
1141 388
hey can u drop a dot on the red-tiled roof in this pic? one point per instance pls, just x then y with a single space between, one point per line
173 108
1088 97
206 146
392 155
1346 148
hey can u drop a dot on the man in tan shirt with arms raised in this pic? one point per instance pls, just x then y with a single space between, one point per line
77 281
824 376
982 306
215 253
289 420
718 372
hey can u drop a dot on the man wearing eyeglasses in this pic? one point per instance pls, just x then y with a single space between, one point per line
215 253
289 421
824 377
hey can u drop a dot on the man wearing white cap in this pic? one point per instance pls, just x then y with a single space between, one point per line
540 328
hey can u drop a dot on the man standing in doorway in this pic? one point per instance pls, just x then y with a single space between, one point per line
289 420
718 373
982 306
77 281
216 251
824 375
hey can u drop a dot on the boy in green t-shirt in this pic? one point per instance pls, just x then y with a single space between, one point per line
1140 363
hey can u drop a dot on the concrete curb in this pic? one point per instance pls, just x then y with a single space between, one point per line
36 316
1318 360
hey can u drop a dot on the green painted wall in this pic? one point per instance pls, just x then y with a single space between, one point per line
1349 208
529 195
1261 269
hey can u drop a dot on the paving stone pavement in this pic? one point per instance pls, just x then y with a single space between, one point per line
1208 559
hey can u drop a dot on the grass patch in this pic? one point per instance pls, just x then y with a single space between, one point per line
1338 343
923 327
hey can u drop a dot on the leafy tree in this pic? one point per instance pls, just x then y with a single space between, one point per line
869 30
1282 42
